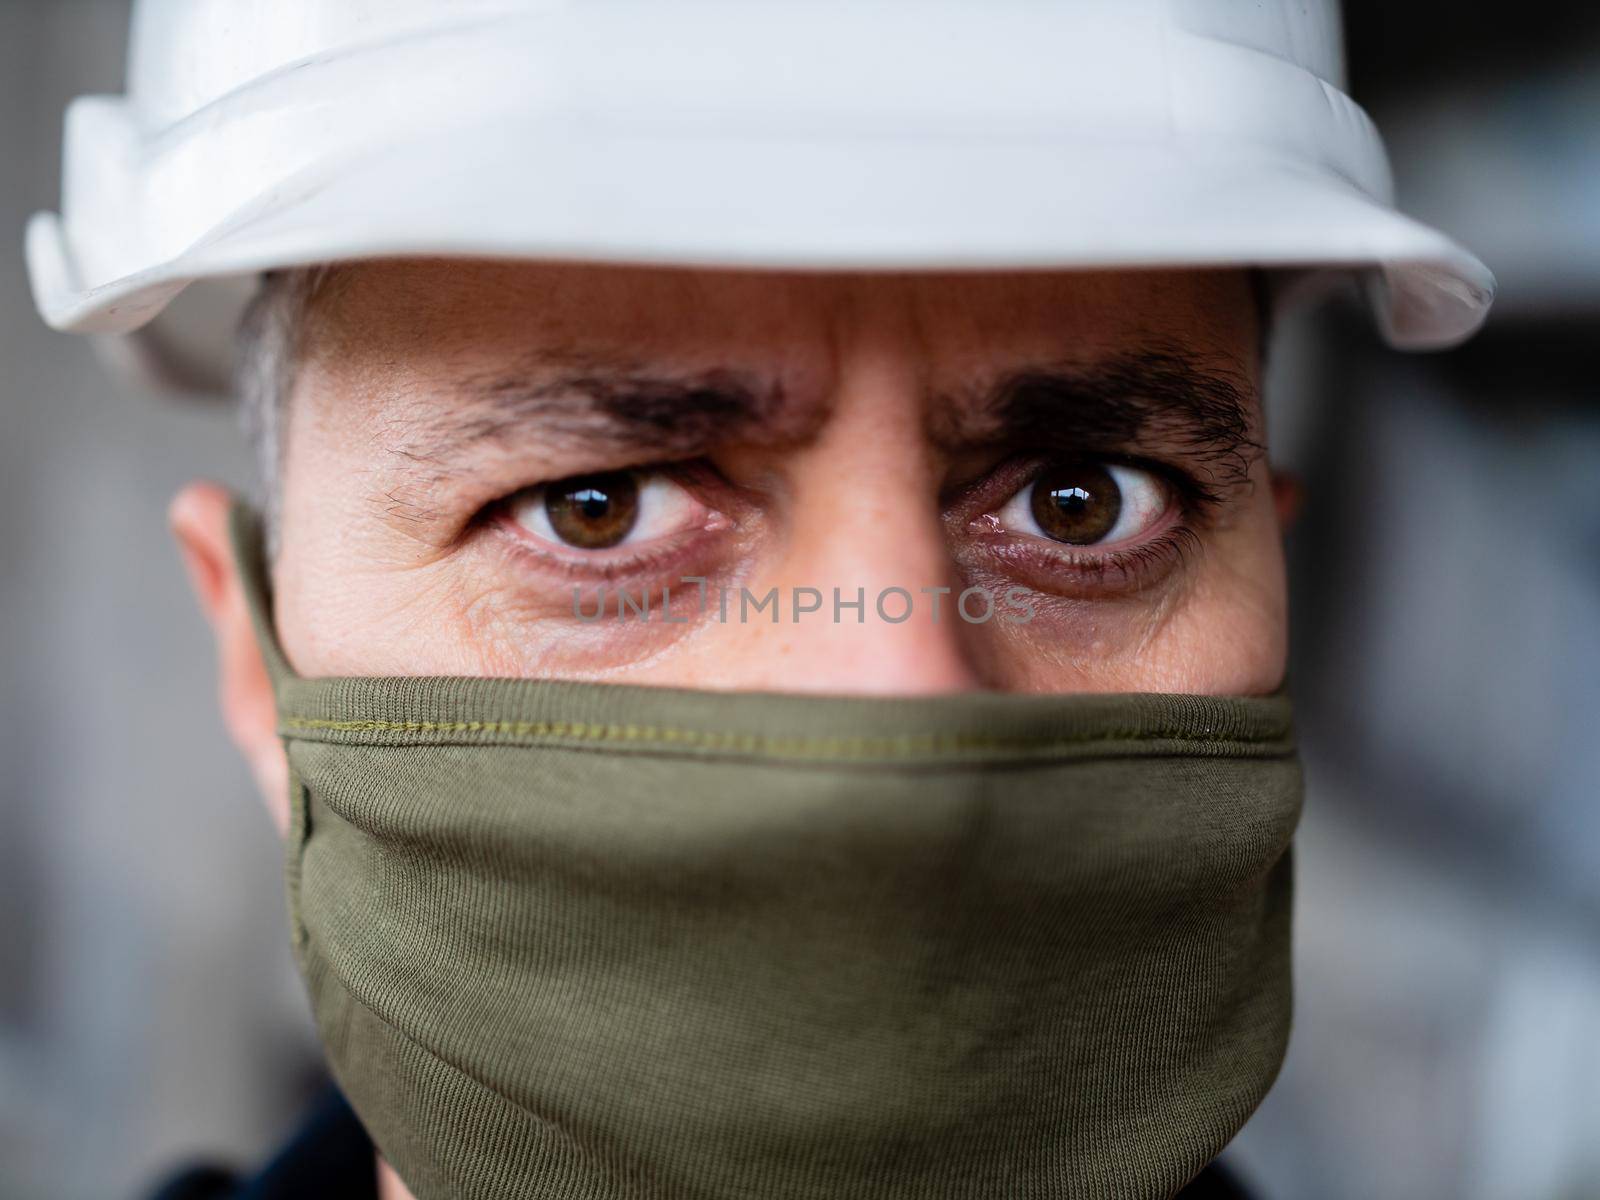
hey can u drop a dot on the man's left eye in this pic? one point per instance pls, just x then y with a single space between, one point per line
603 511
1087 504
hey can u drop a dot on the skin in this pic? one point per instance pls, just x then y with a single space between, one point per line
872 465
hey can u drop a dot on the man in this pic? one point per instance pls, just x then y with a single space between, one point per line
766 628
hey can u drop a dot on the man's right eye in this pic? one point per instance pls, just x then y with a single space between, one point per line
607 510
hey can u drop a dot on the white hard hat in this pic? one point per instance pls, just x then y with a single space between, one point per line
819 134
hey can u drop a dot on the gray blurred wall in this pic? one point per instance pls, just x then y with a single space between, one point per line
147 1003
1446 653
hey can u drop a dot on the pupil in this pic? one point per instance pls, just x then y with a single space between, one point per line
595 504
1073 500
593 512
1077 503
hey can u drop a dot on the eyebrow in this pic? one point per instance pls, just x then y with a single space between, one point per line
1162 398
609 404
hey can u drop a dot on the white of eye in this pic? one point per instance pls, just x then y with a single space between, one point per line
665 508
1144 501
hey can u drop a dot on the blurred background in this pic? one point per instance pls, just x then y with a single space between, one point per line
1446 664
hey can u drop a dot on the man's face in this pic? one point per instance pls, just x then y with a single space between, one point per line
468 444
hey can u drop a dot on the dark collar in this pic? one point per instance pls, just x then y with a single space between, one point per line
329 1155
332 1156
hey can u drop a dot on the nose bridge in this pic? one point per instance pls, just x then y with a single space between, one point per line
865 541
865 494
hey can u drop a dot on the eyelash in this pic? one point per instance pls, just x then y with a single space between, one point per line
593 567
1128 570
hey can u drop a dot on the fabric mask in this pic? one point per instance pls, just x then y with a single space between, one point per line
571 940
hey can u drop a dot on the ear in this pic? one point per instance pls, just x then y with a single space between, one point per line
198 517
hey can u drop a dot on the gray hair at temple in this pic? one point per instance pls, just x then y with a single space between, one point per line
266 361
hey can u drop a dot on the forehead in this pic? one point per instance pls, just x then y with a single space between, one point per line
438 315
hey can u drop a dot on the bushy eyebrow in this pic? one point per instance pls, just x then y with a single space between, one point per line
1159 398
606 405
612 406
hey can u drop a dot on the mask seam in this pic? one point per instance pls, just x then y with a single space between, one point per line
843 748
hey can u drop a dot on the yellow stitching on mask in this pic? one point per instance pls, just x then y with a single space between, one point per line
814 747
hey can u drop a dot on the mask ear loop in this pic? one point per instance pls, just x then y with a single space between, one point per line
248 536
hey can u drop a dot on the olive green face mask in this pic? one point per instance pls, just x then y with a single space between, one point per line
578 940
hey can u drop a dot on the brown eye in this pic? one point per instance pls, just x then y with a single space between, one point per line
1086 503
593 512
1078 503
608 509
